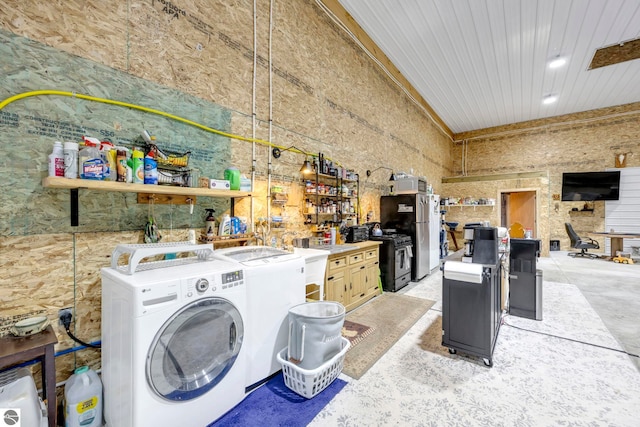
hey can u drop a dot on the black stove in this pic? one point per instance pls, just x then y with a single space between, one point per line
395 260
394 238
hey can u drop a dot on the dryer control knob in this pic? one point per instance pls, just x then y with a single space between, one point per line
202 285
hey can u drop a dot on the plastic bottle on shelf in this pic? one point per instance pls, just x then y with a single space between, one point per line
121 163
138 166
108 162
210 222
235 225
150 170
90 163
56 160
70 159
225 226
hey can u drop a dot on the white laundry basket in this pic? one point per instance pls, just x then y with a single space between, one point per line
315 329
309 382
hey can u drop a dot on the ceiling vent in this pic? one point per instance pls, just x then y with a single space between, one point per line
621 52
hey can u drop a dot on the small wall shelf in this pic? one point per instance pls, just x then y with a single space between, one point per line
461 205
582 212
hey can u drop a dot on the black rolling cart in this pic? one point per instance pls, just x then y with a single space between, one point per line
471 296
471 311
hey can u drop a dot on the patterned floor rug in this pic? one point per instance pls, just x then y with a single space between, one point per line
355 332
390 315
564 370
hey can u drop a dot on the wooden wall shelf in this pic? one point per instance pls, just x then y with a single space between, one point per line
112 186
122 187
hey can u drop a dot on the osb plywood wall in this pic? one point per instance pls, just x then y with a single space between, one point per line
588 141
194 59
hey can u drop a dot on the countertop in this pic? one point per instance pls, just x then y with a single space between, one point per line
347 247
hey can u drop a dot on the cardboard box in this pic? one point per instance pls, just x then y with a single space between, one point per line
219 184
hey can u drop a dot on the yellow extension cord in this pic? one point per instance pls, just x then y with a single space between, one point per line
23 95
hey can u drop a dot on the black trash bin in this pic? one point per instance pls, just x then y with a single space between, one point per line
525 280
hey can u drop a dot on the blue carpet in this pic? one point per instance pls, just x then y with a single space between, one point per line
273 404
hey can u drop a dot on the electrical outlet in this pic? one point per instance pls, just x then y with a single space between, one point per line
64 312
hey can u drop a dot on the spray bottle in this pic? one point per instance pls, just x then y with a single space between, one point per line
210 223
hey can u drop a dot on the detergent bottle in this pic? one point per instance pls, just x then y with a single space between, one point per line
83 399
225 226
138 166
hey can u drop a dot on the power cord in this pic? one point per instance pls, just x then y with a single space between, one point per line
65 318
567 339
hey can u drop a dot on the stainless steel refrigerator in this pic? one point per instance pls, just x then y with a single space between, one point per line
418 216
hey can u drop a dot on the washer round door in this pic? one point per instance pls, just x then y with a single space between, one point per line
194 349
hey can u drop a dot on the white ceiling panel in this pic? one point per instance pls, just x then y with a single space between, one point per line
483 63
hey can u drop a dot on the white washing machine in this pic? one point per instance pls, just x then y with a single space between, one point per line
173 337
275 283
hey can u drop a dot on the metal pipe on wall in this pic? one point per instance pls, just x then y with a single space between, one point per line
253 111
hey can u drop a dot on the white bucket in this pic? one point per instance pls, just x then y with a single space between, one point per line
315 329
83 399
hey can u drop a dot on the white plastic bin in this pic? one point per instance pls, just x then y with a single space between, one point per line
315 329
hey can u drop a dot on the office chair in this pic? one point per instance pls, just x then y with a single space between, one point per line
579 243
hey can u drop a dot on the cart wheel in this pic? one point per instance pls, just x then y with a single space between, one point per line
488 362
452 351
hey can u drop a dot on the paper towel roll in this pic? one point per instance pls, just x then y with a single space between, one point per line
463 272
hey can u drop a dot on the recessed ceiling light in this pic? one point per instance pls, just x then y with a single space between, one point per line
557 63
550 99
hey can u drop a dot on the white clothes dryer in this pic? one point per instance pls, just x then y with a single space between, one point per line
173 337
275 283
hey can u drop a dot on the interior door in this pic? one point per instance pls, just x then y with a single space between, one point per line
519 207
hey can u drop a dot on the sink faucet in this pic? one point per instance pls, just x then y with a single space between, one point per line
286 233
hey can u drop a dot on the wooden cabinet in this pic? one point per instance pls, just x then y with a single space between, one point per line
352 276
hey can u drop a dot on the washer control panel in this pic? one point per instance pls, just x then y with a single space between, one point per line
214 283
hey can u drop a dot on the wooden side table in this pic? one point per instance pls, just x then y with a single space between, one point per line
15 350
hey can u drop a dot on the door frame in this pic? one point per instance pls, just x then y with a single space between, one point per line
536 215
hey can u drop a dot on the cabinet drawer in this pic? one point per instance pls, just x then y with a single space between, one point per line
371 254
356 258
336 263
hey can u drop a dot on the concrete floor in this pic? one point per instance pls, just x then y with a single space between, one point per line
613 290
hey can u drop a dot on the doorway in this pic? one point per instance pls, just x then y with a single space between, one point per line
518 212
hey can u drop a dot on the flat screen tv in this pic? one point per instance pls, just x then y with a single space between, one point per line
589 186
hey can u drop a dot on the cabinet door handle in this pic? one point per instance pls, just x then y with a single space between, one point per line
330 278
362 268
